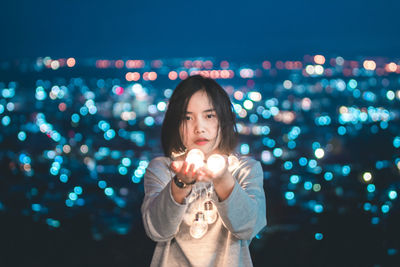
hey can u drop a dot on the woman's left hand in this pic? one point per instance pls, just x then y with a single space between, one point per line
207 175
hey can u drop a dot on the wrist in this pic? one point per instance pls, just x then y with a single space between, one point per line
225 177
182 184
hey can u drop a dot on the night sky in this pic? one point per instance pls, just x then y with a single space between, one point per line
237 29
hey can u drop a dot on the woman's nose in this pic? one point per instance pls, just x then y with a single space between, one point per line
199 127
198 131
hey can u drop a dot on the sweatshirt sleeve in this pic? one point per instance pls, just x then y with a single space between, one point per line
161 214
244 211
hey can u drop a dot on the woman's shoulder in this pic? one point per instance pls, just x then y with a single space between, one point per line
246 167
242 162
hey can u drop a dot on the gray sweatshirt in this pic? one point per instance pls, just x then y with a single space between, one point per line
226 243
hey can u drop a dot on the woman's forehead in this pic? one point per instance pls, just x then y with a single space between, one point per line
199 102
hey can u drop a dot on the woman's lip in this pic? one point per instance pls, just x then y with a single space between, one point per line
201 142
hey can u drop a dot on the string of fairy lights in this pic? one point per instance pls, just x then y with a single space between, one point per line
81 138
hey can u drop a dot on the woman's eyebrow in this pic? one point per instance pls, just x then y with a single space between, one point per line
205 111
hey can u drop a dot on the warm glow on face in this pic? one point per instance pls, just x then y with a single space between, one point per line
200 127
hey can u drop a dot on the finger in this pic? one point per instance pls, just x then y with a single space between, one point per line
176 165
196 175
184 168
191 170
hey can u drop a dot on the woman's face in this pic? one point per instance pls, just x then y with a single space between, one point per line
200 128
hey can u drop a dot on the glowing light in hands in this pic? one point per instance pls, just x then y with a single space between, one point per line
196 157
216 163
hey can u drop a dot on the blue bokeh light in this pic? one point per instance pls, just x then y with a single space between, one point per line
371 188
319 236
109 191
22 136
308 185
294 179
392 194
289 195
328 176
102 184
277 152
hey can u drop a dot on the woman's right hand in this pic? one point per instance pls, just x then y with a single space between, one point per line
185 172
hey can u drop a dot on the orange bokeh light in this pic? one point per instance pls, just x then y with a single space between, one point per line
119 64
224 64
134 64
391 67
279 65
152 76
183 75
369 65
224 74
198 64
132 76
172 75
319 59
266 64
71 62
208 64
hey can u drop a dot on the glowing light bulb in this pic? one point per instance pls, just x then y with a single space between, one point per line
199 227
196 157
216 163
210 212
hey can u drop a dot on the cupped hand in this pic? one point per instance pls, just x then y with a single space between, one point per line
186 172
208 175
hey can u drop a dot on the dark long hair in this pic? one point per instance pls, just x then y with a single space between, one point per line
177 106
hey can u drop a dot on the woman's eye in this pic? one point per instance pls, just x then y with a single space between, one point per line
209 116
187 118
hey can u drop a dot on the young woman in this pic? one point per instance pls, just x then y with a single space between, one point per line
197 215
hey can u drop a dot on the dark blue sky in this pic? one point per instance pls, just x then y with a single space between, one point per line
238 29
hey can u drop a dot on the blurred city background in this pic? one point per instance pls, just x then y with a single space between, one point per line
316 91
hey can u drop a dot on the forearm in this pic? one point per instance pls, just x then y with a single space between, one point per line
179 194
162 215
223 186
243 215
